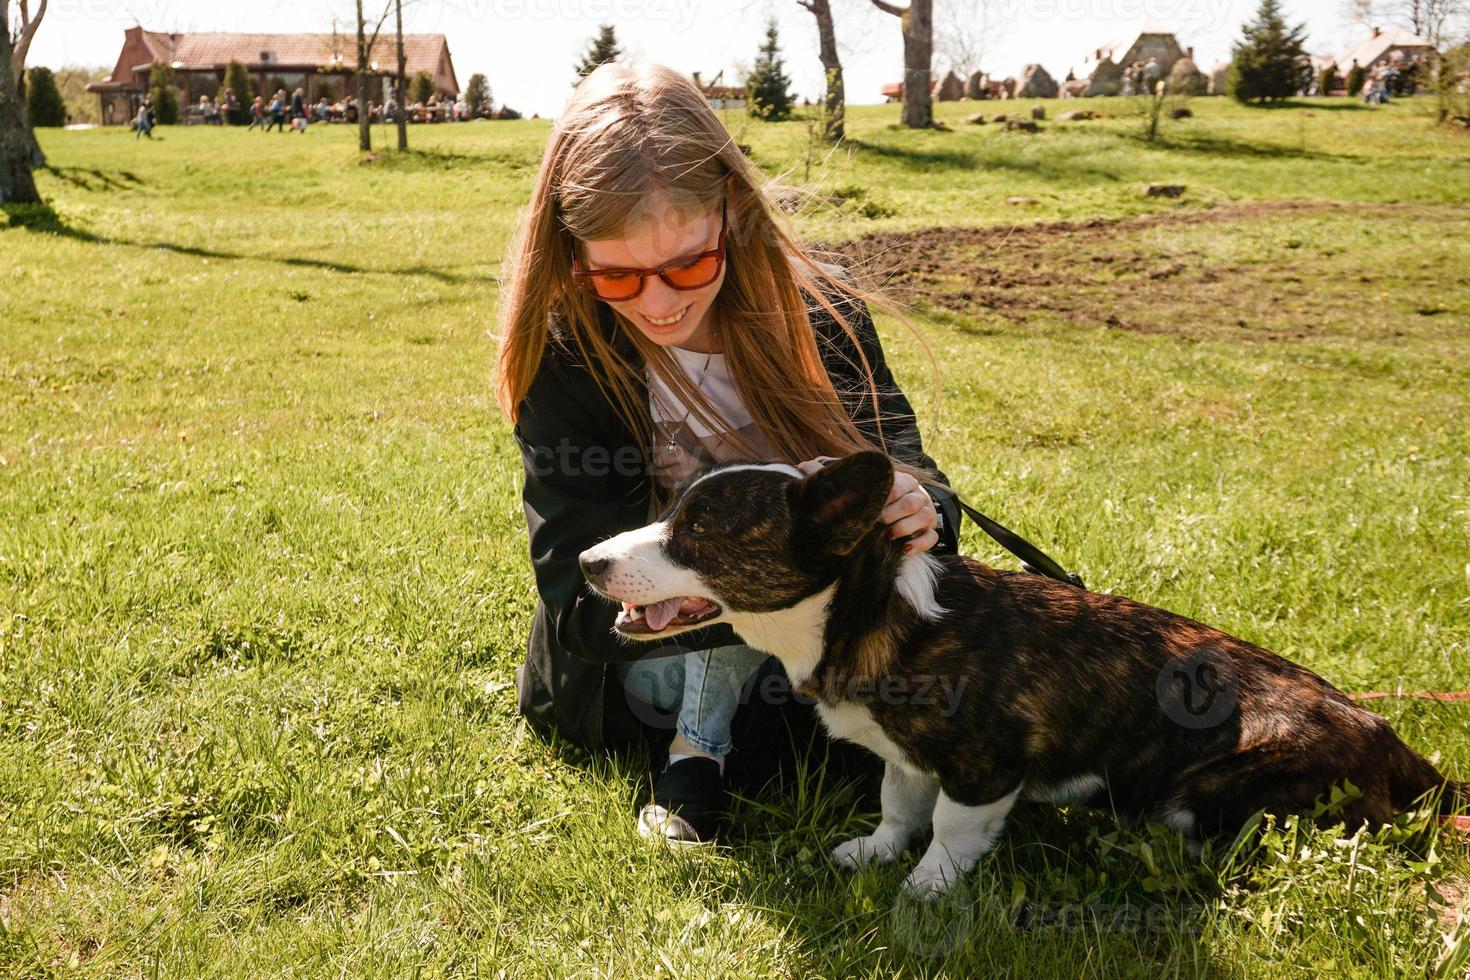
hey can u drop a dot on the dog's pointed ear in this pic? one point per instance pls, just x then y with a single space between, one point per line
843 500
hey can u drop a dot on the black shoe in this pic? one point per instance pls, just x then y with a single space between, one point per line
688 800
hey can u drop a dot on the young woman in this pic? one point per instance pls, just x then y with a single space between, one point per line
657 320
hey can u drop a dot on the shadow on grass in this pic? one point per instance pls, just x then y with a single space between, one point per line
1343 105
83 178
988 158
917 158
1222 146
42 219
439 159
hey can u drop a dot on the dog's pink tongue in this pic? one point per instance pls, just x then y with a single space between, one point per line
661 613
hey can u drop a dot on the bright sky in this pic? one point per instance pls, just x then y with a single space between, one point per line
527 48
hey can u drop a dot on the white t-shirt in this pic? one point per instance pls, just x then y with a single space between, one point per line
683 443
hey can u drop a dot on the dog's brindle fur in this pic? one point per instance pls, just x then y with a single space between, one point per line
1057 691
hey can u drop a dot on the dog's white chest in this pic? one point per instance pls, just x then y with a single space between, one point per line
854 723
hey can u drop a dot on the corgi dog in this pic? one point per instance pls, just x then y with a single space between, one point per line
980 687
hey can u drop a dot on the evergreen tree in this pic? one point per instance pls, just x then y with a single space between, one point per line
1357 74
768 87
1270 62
477 93
43 99
1327 81
421 89
238 80
165 92
604 48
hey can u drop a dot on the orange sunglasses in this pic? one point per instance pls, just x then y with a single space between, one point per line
690 272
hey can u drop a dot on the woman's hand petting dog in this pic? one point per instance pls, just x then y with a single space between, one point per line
909 512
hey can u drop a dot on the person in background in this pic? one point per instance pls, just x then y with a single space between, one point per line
257 114
277 112
298 110
1151 74
143 121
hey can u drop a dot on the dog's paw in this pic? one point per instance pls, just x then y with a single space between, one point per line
864 850
928 881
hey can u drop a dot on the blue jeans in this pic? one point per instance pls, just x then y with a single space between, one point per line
704 687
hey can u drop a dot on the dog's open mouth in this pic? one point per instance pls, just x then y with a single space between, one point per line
659 616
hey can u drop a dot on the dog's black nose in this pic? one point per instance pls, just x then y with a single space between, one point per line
592 568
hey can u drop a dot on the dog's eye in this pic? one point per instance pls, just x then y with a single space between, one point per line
697 529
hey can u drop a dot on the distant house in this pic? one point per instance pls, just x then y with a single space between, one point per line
721 96
315 62
1153 41
1392 44
893 91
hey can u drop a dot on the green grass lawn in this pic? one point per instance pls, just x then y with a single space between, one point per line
263 578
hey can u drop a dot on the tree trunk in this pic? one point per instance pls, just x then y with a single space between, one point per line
918 54
400 82
18 147
834 101
364 125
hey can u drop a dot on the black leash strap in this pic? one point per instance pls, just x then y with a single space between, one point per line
1033 559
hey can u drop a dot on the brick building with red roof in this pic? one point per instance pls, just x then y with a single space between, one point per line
319 63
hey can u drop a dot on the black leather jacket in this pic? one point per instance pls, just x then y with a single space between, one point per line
585 480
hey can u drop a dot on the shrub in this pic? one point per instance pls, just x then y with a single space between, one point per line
165 92
1356 76
1328 80
1450 82
477 93
237 80
44 104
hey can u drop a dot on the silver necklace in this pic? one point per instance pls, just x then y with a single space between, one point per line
672 446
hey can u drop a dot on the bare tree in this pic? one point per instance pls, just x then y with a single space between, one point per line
834 101
366 68
918 54
965 30
20 154
1433 20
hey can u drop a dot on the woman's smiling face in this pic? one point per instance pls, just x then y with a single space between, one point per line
657 234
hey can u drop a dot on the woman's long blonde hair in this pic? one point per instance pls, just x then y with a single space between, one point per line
632 134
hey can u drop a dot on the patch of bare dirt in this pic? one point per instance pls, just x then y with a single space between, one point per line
1120 274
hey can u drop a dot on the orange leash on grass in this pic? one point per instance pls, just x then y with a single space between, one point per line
1460 824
